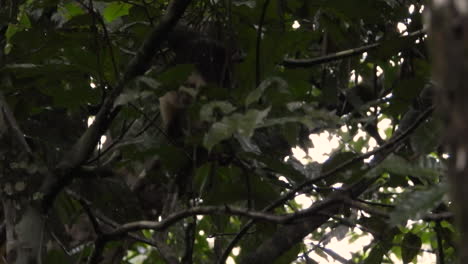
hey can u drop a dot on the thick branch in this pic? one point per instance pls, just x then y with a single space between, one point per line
206 210
137 66
83 148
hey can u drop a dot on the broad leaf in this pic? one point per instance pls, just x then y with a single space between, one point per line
410 247
115 10
242 124
414 204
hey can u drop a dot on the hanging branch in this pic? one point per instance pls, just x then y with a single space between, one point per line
298 63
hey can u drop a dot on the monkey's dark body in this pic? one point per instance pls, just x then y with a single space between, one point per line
212 67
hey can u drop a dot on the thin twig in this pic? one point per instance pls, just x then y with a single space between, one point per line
123 132
259 41
91 217
440 246
333 254
375 204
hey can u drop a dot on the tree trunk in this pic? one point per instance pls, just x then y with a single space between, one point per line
449 43
24 232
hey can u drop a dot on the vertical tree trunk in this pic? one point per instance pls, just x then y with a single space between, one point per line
19 193
24 231
449 42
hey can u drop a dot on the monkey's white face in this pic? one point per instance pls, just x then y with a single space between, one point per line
174 103
195 80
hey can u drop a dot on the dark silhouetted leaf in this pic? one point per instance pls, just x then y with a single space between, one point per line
410 247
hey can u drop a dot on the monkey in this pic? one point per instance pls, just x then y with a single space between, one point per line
173 106
211 61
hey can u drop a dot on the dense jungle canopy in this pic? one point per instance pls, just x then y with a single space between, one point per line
154 131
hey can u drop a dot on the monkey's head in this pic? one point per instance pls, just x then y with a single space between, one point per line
212 66
173 105
210 57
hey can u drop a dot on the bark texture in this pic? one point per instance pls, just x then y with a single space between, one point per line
449 43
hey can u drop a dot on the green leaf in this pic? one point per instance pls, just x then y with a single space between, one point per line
247 145
403 95
207 112
312 120
72 95
280 167
410 247
226 186
298 82
289 256
201 178
218 132
242 124
176 76
22 24
383 246
71 10
376 255
338 159
149 82
250 121
131 95
392 46
256 94
172 158
308 122
413 205
57 256
398 165
24 21
79 20
11 31
115 10
248 3
427 136
392 3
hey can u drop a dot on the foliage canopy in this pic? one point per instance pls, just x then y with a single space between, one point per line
276 72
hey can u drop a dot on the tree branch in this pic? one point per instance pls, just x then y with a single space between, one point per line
204 210
265 254
259 41
8 124
163 249
354 190
333 254
170 220
137 66
83 148
297 63
286 236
